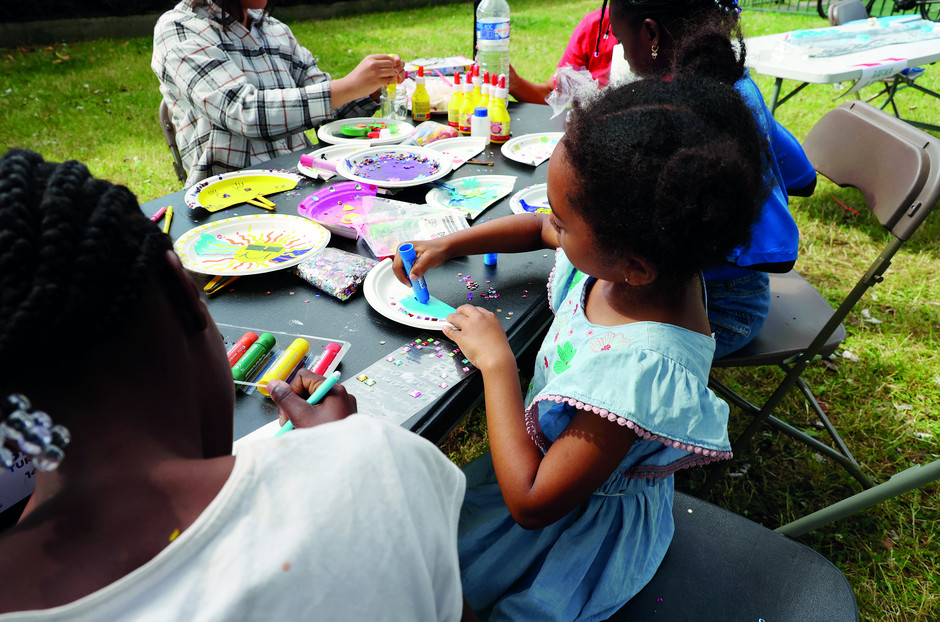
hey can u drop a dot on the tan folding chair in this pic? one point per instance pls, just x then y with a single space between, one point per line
169 133
897 169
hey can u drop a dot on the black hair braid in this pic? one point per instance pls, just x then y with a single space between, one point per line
75 254
666 170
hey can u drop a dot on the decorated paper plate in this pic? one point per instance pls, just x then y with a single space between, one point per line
250 244
531 148
397 302
460 149
395 166
333 153
472 195
531 199
221 191
338 207
332 132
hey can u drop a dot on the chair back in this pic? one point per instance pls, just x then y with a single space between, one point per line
894 165
846 11
169 134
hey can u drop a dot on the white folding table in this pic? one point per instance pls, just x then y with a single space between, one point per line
771 55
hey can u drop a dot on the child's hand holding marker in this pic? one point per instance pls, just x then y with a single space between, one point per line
429 254
292 405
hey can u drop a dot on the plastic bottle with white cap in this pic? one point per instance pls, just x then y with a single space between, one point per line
480 122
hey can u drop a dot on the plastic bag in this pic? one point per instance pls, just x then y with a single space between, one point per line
429 131
336 272
571 84
389 223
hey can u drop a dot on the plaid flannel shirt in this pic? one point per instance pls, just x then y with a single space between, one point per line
238 95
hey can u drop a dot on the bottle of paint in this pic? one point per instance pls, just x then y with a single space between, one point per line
499 115
456 101
466 108
480 123
484 91
420 101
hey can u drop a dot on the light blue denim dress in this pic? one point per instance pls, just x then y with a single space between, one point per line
648 376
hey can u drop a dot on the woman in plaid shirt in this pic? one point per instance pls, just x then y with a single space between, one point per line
241 90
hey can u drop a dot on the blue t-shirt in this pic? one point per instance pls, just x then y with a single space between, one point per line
774 237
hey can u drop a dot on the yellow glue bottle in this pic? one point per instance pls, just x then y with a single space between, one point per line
420 101
499 115
456 102
466 108
484 100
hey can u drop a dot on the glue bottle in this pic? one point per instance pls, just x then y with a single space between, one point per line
499 115
485 91
456 102
480 123
466 107
420 101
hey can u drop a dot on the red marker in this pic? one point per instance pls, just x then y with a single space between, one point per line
326 359
240 346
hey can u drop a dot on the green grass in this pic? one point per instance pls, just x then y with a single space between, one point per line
97 102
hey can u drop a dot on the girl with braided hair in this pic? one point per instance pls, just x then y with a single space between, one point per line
663 37
570 513
149 516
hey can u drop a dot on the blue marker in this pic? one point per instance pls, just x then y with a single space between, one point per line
489 259
408 256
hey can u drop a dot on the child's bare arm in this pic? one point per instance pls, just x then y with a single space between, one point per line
510 234
538 489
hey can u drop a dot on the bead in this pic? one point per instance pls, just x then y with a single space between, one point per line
34 440
49 458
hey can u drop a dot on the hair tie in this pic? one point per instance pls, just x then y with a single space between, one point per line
32 431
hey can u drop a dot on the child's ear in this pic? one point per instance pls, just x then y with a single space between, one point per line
651 28
184 295
639 272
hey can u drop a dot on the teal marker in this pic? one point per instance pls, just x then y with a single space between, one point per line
318 394
258 350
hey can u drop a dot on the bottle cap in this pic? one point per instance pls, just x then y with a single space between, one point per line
420 71
456 78
480 112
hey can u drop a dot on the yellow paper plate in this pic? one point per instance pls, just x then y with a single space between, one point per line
250 244
220 191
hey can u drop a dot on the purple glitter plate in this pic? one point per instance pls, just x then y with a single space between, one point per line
338 207
395 166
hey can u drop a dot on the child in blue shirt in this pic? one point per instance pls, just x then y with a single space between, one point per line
571 513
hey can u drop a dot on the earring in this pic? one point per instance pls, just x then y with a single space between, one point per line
654 52
626 280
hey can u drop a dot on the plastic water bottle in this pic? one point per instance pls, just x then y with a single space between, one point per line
493 36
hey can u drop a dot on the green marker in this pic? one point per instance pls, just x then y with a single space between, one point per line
252 355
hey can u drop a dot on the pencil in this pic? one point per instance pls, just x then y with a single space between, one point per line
314 399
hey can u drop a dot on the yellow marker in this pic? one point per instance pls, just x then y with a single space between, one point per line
167 217
285 364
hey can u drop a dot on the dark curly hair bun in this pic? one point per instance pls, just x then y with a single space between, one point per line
668 170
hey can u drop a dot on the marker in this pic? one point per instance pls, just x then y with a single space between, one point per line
408 256
158 215
240 346
489 259
326 359
314 399
258 350
167 218
285 364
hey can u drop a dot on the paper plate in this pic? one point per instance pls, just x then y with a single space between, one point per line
395 166
383 291
337 207
535 197
332 132
460 149
333 153
221 191
250 244
472 195
531 148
